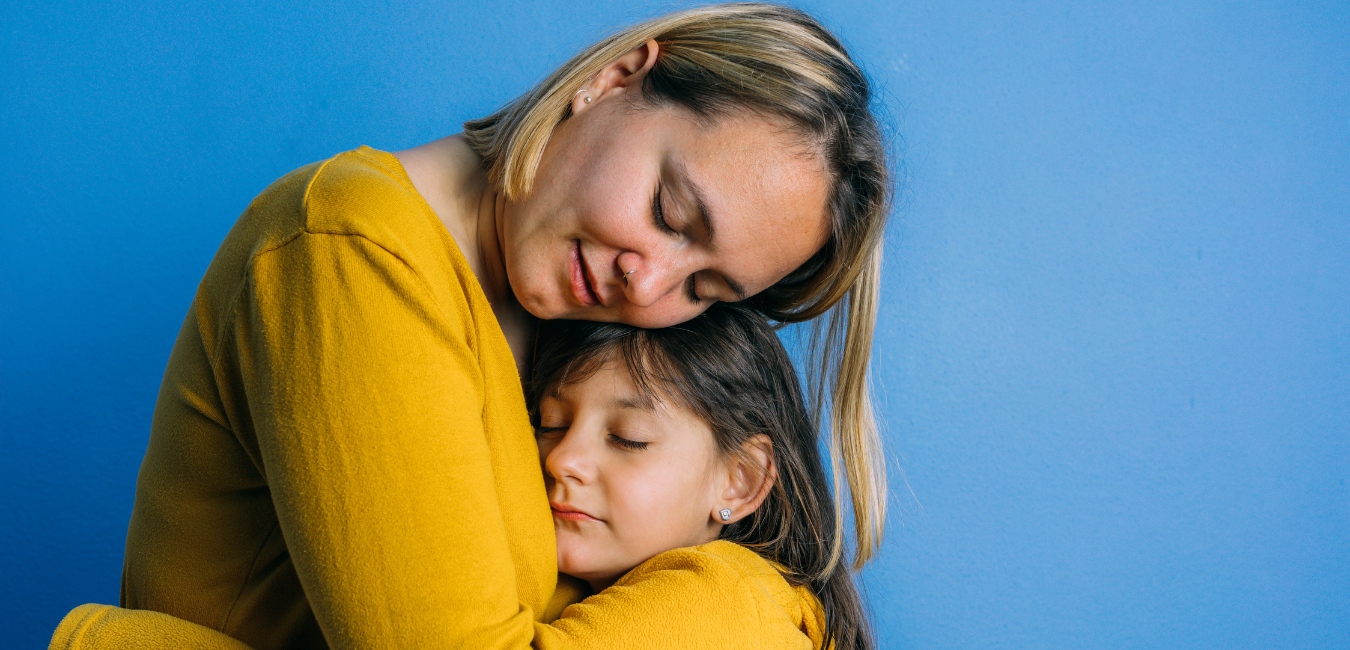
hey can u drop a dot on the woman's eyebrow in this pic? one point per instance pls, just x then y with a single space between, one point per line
705 217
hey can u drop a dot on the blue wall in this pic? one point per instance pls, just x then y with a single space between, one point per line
1114 352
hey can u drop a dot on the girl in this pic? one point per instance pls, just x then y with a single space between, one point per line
680 463
693 438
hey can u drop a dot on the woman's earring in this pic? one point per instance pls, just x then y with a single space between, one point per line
726 514
586 99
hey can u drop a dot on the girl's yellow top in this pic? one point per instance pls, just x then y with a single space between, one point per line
340 453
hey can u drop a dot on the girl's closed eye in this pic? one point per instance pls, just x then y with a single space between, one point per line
628 443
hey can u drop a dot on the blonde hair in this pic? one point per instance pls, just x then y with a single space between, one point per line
780 63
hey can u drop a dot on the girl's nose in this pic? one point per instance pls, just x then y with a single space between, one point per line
571 460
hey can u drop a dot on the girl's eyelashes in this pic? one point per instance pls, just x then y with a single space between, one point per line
631 445
619 441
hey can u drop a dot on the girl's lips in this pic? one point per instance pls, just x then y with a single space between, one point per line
569 513
581 287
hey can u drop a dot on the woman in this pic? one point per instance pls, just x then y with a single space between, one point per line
341 454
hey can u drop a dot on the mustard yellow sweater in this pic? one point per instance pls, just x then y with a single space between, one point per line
718 595
340 454
340 450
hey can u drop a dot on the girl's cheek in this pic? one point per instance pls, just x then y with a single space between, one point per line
655 494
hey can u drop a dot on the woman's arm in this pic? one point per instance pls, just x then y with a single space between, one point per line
685 599
103 627
367 400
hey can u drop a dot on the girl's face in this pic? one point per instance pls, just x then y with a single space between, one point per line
627 478
696 212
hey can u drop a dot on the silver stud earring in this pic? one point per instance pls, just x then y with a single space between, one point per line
586 99
726 514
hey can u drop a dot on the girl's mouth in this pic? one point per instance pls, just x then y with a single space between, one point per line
582 285
569 513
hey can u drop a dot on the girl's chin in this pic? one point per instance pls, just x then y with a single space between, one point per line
576 564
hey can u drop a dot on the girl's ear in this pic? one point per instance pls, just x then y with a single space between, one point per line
628 70
751 476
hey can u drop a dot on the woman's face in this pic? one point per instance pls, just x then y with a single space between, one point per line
627 478
692 212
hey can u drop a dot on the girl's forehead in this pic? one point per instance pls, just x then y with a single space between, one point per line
609 381
610 384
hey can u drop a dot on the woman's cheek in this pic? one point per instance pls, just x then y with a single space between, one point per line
671 310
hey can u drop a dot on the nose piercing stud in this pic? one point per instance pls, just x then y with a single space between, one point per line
726 514
625 277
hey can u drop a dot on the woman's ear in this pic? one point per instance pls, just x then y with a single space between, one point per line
627 71
751 476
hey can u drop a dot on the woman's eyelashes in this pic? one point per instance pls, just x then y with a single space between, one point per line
659 216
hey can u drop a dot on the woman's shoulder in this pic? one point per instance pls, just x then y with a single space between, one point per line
363 194
363 191
358 206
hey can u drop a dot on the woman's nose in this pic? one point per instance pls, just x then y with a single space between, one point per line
647 278
571 460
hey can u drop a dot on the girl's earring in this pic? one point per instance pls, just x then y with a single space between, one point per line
586 99
726 514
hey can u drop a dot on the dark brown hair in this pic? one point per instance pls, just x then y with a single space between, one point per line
728 367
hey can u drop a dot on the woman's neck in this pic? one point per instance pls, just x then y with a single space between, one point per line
450 177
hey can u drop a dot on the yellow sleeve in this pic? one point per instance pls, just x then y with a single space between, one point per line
679 600
685 598
101 627
366 399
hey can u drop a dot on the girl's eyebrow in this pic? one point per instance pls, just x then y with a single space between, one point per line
640 403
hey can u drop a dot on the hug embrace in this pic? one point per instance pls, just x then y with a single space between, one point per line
520 387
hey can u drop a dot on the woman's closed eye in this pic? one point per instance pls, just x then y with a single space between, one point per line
691 290
659 214
549 432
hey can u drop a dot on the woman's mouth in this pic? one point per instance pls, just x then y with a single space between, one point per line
583 286
569 513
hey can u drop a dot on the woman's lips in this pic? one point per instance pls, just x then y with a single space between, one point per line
569 513
581 286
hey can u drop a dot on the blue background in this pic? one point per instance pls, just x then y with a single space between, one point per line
1113 356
